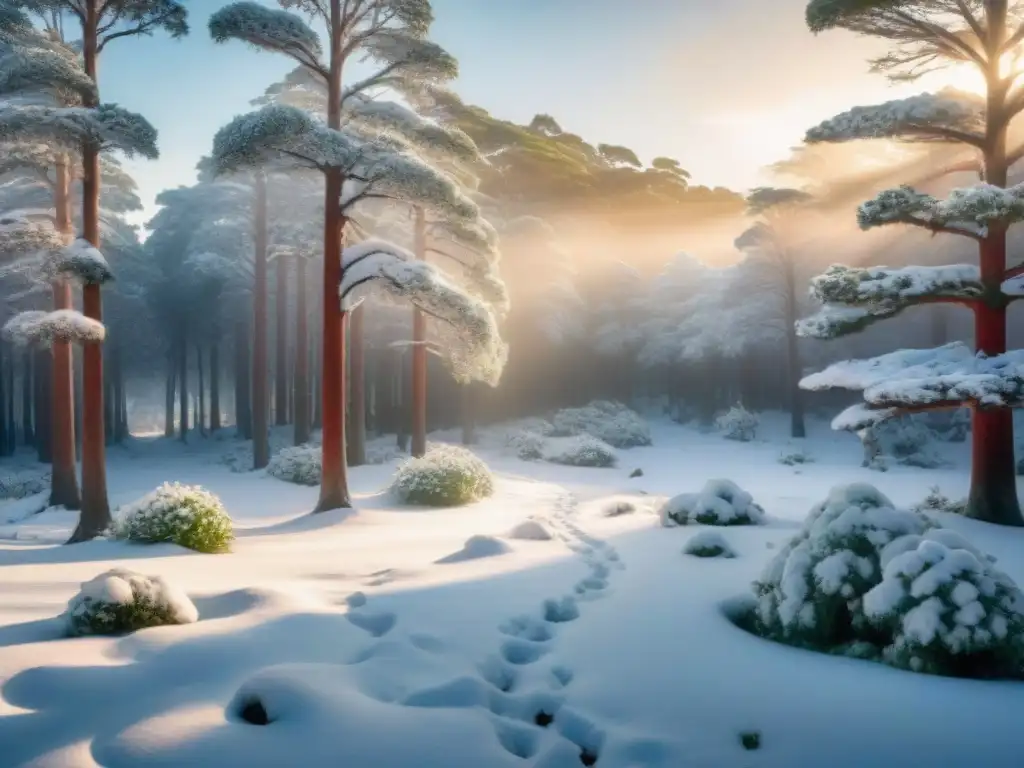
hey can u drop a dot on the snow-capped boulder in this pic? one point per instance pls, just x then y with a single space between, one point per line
721 502
446 476
186 515
120 601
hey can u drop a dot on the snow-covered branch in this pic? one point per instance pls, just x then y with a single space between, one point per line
25 71
968 211
480 353
108 126
269 29
79 261
425 135
66 325
949 115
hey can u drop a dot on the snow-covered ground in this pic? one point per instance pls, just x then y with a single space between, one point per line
396 637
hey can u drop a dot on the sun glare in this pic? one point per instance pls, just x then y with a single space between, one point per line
967 77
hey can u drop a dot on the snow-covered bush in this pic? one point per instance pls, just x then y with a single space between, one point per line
299 464
19 483
738 424
579 451
186 515
120 601
708 543
945 610
721 502
867 580
610 422
937 501
528 446
793 458
446 476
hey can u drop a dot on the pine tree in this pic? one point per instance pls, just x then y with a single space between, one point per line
926 34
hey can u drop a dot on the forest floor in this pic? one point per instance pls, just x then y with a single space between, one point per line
381 639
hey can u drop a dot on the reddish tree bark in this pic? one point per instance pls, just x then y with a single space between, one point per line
260 427
334 476
281 343
419 352
357 389
302 411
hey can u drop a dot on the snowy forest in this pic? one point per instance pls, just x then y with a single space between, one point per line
376 295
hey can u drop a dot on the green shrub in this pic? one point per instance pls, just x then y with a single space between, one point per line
120 601
447 476
299 464
188 516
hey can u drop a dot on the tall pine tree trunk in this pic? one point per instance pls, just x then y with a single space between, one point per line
357 389
215 384
42 400
5 425
302 414
184 422
243 381
12 435
201 415
993 494
260 405
28 433
794 366
169 396
281 343
95 514
419 352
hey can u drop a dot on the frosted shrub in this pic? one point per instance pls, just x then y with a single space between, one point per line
708 543
937 501
794 458
721 502
612 423
120 601
738 424
20 483
186 515
528 446
446 476
299 464
945 610
867 580
579 451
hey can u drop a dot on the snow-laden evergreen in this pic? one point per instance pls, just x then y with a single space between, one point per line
120 601
189 516
61 325
447 475
719 502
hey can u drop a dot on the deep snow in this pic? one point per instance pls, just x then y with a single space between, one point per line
395 637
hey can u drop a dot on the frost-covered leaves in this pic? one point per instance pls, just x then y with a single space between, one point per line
949 115
825 14
970 210
479 353
865 579
186 515
611 422
853 297
79 261
120 601
409 60
22 236
62 325
299 464
738 424
27 72
720 502
446 476
582 450
108 126
428 136
278 133
266 28
945 375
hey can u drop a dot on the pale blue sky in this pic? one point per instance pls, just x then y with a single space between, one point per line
723 85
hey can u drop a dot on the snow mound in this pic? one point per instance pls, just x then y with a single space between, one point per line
579 451
738 424
610 422
19 483
446 476
708 543
477 547
299 464
865 579
721 502
186 515
121 601
530 530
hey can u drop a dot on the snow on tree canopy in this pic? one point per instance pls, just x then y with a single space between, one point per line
480 353
105 127
79 261
267 28
423 134
856 297
949 109
33 70
67 325
970 209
